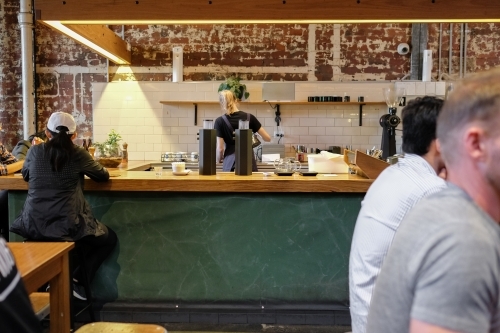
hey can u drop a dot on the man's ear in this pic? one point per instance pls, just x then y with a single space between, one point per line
48 134
474 142
73 136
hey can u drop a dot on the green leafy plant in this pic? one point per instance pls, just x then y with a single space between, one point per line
111 146
233 83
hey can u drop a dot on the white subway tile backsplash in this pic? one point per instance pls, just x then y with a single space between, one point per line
178 130
150 127
366 130
307 121
351 130
308 139
318 131
317 113
298 130
334 130
343 122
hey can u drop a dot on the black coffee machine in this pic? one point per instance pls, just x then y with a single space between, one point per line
390 121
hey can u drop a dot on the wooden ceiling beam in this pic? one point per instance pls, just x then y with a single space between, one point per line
217 11
104 38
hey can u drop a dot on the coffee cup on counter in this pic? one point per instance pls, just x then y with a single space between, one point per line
178 166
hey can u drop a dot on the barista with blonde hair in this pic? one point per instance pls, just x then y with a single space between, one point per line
225 126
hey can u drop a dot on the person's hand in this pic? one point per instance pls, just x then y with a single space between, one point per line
36 141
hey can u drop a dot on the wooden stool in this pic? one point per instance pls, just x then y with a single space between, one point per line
103 327
41 304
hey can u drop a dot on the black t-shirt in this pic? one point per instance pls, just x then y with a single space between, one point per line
223 130
16 312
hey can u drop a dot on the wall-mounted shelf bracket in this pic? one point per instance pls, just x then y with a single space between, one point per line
195 114
278 115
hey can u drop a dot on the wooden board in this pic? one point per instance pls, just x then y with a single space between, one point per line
305 11
371 167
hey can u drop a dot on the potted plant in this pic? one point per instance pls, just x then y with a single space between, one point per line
233 83
108 153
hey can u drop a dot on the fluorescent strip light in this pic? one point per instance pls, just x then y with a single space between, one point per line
146 22
70 33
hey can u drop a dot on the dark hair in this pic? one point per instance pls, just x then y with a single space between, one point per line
40 134
60 148
419 124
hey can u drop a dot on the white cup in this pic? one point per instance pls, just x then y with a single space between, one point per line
158 171
178 166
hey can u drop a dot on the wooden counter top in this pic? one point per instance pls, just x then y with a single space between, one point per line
124 180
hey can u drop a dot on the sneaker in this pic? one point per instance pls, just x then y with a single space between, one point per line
79 292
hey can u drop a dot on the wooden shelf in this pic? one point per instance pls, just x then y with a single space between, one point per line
277 102
277 106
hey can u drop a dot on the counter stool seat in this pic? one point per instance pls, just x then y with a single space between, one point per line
106 327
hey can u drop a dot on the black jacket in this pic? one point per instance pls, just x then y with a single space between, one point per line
55 208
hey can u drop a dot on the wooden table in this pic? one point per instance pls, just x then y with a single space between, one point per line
40 262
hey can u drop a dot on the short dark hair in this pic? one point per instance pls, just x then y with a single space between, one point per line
419 124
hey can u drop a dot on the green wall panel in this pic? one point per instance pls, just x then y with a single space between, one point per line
284 248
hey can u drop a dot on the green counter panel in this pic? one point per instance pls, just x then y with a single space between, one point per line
285 248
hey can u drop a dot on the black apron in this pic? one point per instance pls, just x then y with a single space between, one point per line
230 158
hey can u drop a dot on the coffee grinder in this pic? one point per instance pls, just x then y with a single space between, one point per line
390 121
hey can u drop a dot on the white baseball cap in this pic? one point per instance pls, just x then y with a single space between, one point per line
61 119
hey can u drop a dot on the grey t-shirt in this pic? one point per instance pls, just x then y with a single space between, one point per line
443 268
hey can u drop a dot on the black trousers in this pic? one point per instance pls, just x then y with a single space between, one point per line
95 251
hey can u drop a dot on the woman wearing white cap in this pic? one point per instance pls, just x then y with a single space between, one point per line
55 208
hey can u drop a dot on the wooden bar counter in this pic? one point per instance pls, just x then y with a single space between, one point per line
124 179
208 245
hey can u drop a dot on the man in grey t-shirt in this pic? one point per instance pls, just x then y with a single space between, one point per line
442 273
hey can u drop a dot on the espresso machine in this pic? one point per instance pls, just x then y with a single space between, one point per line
390 120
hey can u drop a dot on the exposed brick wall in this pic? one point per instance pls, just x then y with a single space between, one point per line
482 43
292 52
10 73
370 51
